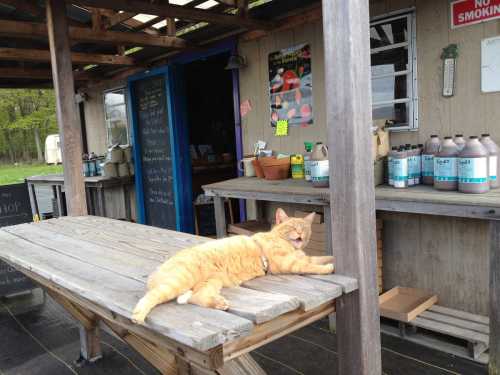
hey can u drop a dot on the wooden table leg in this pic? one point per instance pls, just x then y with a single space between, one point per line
494 366
90 206
90 343
59 200
102 201
126 197
33 202
220 217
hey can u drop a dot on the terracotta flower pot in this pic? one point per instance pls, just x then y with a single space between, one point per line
275 169
258 169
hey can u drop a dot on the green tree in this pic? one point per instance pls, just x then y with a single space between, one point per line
26 117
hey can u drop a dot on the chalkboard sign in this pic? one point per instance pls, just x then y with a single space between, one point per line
153 133
15 209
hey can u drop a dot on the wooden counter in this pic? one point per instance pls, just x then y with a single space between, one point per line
94 189
418 199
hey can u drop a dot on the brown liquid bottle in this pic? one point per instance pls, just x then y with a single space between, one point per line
445 166
431 148
473 176
493 151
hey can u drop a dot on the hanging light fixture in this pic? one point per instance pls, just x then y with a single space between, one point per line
235 62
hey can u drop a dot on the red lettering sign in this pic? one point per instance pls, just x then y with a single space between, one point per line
469 12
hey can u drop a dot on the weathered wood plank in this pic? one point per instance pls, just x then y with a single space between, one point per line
67 117
447 329
194 326
243 365
478 327
348 284
346 37
127 265
140 231
460 314
311 293
258 306
494 366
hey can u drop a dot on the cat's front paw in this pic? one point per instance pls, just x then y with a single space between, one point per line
328 268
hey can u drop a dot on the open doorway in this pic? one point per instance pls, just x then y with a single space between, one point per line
211 128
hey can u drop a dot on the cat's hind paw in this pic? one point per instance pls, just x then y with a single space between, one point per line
138 317
184 298
220 303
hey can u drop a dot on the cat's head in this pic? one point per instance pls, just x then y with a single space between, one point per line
297 231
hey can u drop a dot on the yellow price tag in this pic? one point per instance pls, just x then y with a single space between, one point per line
281 128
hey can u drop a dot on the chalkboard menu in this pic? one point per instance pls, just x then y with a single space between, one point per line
15 209
155 151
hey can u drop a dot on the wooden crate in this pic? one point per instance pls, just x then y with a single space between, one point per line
404 304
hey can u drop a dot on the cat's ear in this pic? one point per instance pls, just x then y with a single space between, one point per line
309 219
281 216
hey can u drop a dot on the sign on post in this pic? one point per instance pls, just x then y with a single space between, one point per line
470 12
15 209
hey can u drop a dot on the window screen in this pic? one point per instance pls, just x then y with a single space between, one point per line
393 68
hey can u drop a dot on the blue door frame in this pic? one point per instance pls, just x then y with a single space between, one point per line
183 220
228 45
179 137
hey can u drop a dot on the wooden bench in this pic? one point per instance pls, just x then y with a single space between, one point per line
97 269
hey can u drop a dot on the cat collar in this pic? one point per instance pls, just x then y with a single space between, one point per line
265 263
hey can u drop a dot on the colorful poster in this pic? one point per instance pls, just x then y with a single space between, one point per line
290 86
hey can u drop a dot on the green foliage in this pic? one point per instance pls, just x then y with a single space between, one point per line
26 118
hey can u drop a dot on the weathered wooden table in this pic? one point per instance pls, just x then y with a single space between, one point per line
418 199
97 269
97 184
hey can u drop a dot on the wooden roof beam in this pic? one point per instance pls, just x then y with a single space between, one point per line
17 54
82 34
175 11
37 74
25 6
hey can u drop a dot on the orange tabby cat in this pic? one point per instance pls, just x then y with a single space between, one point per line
197 274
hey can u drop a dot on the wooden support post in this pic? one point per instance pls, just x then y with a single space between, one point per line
494 367
348 116
220 217
33 201
67 115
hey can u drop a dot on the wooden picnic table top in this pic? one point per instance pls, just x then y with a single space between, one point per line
420 199
107 262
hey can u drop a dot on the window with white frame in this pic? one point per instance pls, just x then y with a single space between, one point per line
394 73
115 114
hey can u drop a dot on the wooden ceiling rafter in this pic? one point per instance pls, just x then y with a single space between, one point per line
26 7
37 74
175 11
82 34
41 55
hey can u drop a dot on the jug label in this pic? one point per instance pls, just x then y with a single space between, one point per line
473 170
414 166
445 169
493 167
389 167
399 169
319 170
428 165
307 170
